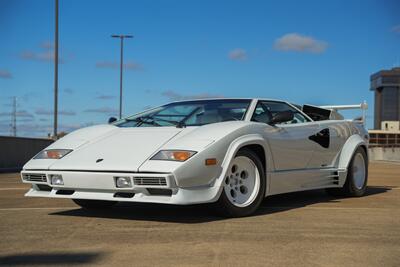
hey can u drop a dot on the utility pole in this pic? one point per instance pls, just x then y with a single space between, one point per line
121 66
56 72
14 117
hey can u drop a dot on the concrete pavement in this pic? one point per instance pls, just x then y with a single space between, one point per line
298 229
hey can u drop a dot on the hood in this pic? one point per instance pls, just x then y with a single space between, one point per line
127 149
122 149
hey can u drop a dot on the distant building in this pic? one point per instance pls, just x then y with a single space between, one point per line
386 86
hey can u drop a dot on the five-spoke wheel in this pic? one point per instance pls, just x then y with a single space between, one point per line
242 182
243 185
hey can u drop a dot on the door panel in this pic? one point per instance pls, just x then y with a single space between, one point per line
290 145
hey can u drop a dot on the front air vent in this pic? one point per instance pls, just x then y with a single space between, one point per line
43 187
65 192
150 181
124 195
159 192
34 177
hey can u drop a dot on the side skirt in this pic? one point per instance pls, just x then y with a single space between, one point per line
305 179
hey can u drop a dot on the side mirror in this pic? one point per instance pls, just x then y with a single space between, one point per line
282 116
112 119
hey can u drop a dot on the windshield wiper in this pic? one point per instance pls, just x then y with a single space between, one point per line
144 119
178 124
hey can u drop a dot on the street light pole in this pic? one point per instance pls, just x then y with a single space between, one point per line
56 71
121 66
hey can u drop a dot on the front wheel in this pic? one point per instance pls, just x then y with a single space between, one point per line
94 204
357 177
243 186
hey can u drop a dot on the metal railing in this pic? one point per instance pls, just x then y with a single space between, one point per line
384 139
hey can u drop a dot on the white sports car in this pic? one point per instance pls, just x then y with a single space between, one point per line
228 152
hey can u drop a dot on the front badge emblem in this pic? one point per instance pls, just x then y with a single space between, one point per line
99 160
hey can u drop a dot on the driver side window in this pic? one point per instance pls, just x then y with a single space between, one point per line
265 110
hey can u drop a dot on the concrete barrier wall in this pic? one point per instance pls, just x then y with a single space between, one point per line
384 153
16 151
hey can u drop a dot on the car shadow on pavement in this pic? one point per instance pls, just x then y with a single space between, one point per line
284 202
49 259
203 213
149 212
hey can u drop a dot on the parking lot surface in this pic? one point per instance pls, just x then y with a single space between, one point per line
298 229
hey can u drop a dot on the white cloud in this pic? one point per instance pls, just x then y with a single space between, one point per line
47 45
300 43
105 97
174 96
396 29
114 65
5 74
45 54
238 54
105 110
20 114
42 111
68 91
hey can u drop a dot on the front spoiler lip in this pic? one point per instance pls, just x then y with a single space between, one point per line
100 171
180 197
103 188
91 180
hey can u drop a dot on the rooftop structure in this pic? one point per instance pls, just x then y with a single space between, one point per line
386 86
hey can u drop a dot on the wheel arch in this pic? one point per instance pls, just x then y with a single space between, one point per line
259 150
352 144
258 145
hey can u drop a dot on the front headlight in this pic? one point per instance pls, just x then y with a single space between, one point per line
52 154
174 155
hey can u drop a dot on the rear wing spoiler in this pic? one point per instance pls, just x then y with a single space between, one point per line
363 106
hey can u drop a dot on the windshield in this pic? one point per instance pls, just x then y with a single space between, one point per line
189 113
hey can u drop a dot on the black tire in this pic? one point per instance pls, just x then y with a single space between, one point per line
225 208
94 204
349 188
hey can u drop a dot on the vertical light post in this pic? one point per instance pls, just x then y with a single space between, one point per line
56 71
121 37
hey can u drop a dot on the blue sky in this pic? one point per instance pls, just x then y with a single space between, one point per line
317 52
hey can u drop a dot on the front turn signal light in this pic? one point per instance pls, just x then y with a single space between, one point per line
173 155
52 154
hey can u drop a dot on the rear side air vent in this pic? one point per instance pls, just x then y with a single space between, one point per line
335 176
34 177
150 181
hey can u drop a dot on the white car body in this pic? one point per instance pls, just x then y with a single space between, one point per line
292 161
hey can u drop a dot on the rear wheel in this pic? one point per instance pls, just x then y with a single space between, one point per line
94 204
243 186
357 177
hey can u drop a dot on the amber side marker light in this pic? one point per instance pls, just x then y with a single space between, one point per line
210 162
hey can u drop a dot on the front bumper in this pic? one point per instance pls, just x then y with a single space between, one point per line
146 187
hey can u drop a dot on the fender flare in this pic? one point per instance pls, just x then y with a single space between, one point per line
349 147
235 146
